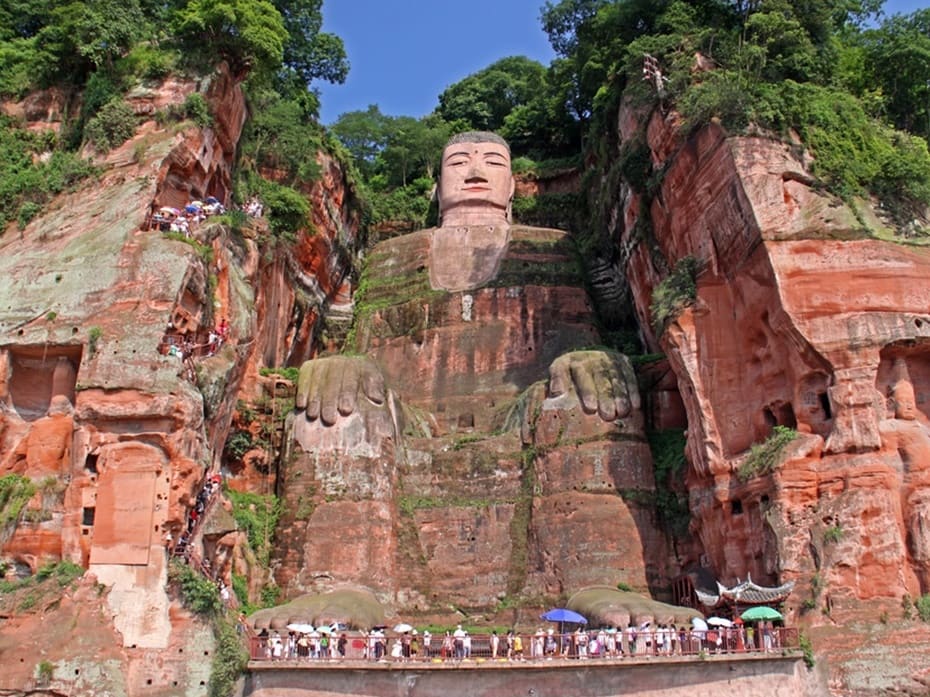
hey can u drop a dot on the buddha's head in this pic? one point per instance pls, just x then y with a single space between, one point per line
475 182
905 405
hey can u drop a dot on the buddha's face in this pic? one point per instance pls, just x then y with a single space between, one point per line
905 406
475 180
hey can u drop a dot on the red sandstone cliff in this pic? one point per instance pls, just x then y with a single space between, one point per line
89 400
805 317
810 314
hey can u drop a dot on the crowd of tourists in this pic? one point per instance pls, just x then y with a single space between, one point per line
460 645
171 219
186 348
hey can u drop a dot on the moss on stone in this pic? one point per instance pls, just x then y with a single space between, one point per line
520 526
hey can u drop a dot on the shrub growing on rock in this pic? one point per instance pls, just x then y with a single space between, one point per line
113 125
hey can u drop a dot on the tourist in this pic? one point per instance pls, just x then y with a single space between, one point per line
458 637
550 644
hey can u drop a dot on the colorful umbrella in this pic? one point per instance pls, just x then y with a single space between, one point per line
719 622
561 614
761 612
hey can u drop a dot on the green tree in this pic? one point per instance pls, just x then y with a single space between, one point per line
484 99
280 137
897 62
413 147
247 34
310 54
364 134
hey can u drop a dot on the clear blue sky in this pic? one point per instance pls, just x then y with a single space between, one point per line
404 53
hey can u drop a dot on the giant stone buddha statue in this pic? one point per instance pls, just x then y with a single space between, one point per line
467 346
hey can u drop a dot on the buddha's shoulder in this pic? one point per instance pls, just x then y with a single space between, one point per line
402 248
540 234
525 238
409 241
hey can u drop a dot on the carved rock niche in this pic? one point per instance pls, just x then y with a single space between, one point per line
35 374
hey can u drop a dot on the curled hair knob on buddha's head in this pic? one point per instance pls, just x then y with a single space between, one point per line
475 183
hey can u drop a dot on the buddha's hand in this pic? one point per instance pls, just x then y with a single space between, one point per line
603 382
339 386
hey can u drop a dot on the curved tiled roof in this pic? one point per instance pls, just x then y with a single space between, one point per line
745 593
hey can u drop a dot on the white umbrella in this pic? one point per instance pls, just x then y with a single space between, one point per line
699 624
300 627
719 621
402 627
324 630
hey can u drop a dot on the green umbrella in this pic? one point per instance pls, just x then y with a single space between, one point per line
760 613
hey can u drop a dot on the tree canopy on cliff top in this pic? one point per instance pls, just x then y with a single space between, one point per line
45 43
813 68
97 50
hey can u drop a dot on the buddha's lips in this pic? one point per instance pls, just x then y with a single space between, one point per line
476 188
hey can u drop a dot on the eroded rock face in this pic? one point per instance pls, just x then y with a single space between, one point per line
116 433
803 320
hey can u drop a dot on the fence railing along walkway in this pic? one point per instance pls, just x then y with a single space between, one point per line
360 647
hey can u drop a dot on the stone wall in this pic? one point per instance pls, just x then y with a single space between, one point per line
765 677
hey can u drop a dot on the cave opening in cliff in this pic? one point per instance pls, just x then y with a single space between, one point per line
87 517
39 372
781 414
825 405
736 507
90 463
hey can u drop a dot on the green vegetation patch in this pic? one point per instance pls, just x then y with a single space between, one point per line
229 659
198 593
290 373
33 169
669 462
854 153
257 515
545 262
766 456
676 292
408 505
547 210
922 605
42 589
520 526
15 492
112 126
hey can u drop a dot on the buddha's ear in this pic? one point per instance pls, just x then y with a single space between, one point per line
513 189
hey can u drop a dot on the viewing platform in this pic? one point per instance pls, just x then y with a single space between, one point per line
754 673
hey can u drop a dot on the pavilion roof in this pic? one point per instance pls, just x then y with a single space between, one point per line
745 593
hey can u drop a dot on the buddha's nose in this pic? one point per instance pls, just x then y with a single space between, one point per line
476 173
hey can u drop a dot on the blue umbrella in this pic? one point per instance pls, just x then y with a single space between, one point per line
561 614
